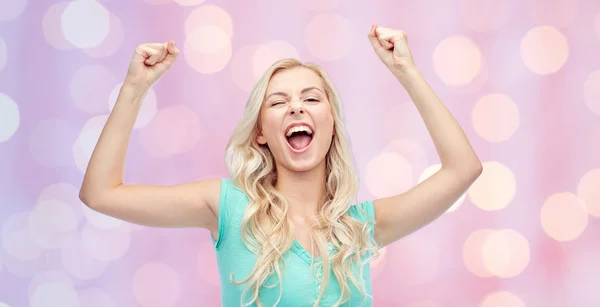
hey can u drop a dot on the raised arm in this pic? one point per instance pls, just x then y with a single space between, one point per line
399 215
191 204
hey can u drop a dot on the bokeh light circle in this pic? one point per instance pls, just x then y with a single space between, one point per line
16 239
495 117
46 277
156 284
3 53
588 192
90 87
85 24
269 52
209 15
505 253
55 293
87 140
10 118
544 50
105 244
389 174
78 262
413 151
94 297
502 299
495 188
67 193
12 9
591 91
207 49
112 42
564 216
51 26
51 223
472 252
242 67
328 36
457 60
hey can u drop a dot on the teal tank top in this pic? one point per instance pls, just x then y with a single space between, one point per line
300 283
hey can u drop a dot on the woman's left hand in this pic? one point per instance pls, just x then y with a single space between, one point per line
392 48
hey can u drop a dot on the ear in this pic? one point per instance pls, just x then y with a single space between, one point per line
260 138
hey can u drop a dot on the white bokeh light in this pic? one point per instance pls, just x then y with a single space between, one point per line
457 60
210 15
3 53
11 9
65 192
85 23
95 297
54 293
16 239
51 27
10 118
46 277
106 244
113 40
86 142
269 52
90 87
51 223
78 262
207 49
147 110
389 174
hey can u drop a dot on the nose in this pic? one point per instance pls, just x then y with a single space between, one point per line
296 107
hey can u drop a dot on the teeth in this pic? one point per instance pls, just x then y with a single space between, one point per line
298 129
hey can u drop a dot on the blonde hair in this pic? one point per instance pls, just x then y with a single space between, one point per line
266 230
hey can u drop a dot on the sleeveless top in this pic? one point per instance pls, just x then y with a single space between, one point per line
301 284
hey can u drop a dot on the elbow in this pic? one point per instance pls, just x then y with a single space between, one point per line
90 198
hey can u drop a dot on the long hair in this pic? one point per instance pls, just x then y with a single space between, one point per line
266 230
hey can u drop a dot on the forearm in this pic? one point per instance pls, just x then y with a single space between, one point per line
449 139
106 165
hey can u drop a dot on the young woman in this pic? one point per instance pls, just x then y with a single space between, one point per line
285 226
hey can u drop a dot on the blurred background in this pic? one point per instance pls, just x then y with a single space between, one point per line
521 77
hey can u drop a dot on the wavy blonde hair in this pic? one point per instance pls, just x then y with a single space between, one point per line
266 230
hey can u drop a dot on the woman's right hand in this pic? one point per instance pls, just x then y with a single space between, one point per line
150 61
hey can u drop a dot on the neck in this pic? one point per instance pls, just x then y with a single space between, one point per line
304 191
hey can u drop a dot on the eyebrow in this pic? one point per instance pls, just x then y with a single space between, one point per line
302 92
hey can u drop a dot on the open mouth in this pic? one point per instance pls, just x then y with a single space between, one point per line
299 138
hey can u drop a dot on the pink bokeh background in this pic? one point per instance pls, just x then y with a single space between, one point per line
521 77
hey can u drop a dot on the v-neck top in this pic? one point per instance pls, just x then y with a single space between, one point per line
300 282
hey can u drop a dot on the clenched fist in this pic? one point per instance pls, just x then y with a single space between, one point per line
150 61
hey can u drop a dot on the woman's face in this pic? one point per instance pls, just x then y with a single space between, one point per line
296 99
